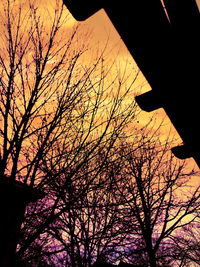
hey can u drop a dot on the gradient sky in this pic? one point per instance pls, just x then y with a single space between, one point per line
103 33
103 30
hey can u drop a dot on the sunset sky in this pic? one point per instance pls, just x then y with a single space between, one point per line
76 145
103 34
102 30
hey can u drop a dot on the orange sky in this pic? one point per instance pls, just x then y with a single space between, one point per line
102 32
198 3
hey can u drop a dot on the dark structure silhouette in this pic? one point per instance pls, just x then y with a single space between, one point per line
14 196
166 49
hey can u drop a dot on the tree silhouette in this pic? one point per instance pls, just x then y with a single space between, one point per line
57 110
161 202
139 208
94 194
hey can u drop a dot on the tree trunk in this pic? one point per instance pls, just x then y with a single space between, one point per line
150 250
152 259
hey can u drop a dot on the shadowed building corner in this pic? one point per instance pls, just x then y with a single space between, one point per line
14 197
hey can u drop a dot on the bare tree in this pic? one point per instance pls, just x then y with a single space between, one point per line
185 244
29 85
62 133
156 188
97 232
35 90
52 103
86 227
57 110
134 205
